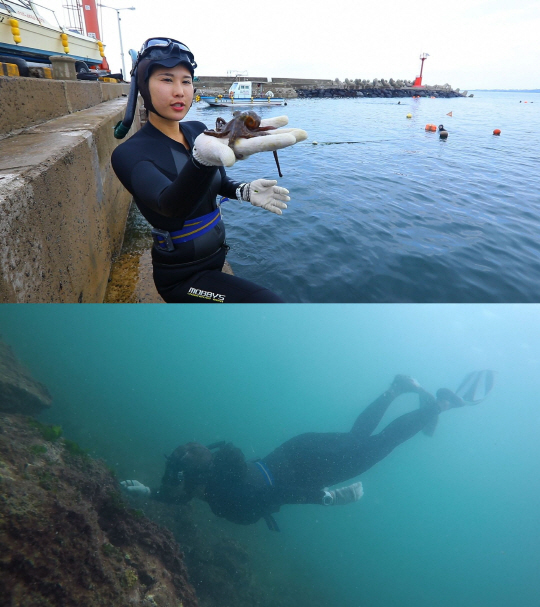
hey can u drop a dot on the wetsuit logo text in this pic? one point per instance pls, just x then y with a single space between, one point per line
206 295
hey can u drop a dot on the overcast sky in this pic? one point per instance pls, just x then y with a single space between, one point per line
471 43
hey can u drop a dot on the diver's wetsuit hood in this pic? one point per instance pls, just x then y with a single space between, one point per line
188 467
168 56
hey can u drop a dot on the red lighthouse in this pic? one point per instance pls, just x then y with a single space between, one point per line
418 79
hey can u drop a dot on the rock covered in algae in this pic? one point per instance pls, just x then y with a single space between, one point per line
19 391
68 538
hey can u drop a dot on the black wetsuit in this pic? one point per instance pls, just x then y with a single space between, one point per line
170 187
299 470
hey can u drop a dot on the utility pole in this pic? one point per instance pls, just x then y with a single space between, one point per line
131 8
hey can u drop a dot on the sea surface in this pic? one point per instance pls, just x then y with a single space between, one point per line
383 211
445 521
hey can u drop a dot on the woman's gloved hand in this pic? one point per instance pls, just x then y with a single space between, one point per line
214 151
135 488
343 495
266 194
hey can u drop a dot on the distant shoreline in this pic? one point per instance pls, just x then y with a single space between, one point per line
508 90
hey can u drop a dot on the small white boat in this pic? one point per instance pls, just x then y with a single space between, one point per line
39 38
243 93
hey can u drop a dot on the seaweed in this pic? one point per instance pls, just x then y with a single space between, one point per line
129 578
111 470
47 481
112 552
38 449
49 432
116 502
74 449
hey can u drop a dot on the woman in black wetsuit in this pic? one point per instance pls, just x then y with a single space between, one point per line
175 174
302 469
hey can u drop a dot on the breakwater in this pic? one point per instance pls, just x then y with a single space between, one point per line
340 93
313 88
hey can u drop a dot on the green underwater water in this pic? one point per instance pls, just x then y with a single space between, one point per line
445 521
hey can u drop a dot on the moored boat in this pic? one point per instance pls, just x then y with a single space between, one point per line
26 34
243 93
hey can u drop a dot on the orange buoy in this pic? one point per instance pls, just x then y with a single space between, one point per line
497 132
431 127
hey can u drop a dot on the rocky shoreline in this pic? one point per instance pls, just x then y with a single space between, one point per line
70 538
67 537
377 92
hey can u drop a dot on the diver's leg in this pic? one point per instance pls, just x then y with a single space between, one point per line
204 284
377 447
217 287
370 418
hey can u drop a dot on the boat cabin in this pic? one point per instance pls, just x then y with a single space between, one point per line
246 89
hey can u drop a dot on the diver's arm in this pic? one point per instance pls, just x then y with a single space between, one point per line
325 497
228 186
136 489
178 198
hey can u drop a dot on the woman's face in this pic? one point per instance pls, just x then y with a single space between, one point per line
171 90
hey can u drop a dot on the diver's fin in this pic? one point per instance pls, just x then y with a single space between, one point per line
426 399
476 386
444 395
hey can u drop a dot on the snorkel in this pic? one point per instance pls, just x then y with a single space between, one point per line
122 127
155 51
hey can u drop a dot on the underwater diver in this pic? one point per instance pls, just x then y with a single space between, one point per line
175 174
302 470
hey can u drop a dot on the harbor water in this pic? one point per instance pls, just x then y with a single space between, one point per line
446 521
383 211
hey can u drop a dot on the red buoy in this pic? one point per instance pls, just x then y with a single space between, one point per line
497 132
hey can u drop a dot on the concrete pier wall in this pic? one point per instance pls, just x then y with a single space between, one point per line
62 210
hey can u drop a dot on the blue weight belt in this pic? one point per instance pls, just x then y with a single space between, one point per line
193 228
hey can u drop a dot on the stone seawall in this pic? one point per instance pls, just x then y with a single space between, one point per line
62 209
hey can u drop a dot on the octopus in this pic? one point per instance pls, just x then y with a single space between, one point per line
244 125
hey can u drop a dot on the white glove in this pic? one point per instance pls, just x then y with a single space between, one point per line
343 495
279 121
215 151
276 121
266 194
135 488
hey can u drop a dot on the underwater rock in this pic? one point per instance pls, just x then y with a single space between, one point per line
67 537
19 392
